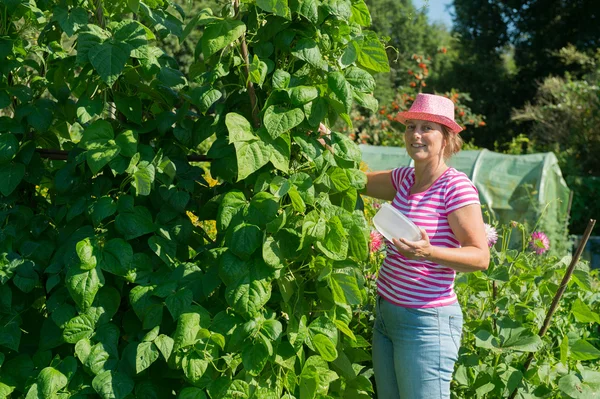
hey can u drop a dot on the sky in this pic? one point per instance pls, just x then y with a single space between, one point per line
436 10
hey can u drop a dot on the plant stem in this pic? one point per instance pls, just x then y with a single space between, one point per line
250 85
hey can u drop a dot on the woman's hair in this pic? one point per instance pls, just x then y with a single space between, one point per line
453 142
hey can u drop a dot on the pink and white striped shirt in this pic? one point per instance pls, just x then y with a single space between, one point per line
421 283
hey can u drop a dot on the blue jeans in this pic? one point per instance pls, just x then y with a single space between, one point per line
414 350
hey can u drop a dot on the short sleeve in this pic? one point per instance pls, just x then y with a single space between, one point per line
399 174
460 192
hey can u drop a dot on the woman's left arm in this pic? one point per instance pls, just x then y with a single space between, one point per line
467 225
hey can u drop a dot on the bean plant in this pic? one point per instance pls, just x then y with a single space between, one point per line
107 288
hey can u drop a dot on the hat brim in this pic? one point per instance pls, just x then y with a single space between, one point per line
423 116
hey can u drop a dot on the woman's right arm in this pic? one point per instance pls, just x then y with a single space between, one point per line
379 185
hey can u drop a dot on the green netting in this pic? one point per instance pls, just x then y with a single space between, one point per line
513 187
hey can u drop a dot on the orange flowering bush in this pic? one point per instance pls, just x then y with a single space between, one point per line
381 128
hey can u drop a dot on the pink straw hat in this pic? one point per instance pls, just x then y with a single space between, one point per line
429 107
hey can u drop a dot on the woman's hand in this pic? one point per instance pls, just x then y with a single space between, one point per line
414 249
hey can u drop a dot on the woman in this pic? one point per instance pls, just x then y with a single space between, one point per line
419 321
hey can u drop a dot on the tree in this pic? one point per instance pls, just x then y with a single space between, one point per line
528 34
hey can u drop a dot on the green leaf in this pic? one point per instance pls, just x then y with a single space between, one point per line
102 208
105 306
78 328
10 177
583 350
191 393
360 13
83 285
341 90
117 257
88 253
146 353
516 337
325 347
50 381
187 329
244 240
232 268
100 157
10 332
127 142
203 18
263 209
143 177
325 326
251 156
163 21
9 146
359 245
248 296
308 50
339 8
131 32
255 357
5 101
583 313
148 308
587 387
71 20
90 38
309 382
301 95
281 152
345 287
367 100
277 7
343 327
204 97
335 244
272 329
239 128
135 224
278 120
233 203
164 343
97 135
281 79
112 385
130 106
219 34
257 71
350 55
372 55
308 9
99 359
165 249
179 302
108 59
194 366
360 79
564 350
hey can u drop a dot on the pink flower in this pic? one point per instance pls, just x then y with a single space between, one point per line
491 235
376 241
539 242
376 205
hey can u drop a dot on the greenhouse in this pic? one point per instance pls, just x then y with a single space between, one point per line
513 187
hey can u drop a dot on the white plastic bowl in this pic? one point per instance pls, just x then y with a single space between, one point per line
391 223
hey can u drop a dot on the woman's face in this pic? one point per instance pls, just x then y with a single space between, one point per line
424 140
